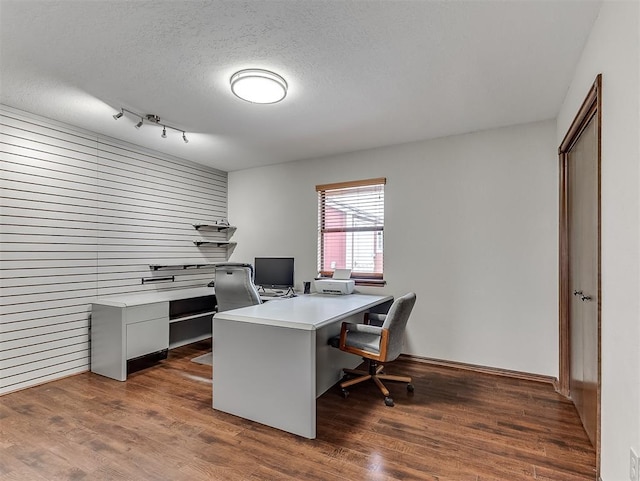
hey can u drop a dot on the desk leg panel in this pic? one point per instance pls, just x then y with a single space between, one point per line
108 342
266 374
331 361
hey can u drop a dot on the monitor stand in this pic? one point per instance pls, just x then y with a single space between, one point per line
273 293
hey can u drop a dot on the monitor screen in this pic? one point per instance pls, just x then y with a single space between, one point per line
274 271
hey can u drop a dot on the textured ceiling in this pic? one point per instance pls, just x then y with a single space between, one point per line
361 74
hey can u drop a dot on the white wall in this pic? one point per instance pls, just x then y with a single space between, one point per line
84 216
613 50
471 227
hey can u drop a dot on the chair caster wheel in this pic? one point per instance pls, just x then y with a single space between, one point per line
410 387
388 401
345 393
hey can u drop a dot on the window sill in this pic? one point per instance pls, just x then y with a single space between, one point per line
363 281
370 282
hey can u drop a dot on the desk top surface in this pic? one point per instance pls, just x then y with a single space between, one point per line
307 312
138 299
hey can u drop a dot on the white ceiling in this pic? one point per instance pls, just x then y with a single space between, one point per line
361 74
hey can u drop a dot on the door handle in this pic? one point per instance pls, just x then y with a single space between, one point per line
577 293
585 298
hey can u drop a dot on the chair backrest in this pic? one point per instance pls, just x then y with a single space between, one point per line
396 322
234 287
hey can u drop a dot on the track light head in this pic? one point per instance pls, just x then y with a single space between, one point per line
151 119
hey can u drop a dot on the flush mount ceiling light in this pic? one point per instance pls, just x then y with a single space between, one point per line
151 119
258 86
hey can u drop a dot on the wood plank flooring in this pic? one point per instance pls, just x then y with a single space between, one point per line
159 425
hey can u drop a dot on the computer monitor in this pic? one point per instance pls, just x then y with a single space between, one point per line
273 272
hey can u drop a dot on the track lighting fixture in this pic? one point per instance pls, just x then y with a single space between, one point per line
152 119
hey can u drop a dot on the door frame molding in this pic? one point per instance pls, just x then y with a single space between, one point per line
592 106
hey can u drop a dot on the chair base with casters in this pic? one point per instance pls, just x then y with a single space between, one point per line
378 341
377 375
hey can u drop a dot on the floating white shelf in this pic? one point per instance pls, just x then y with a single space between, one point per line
213 243
216 227
155 267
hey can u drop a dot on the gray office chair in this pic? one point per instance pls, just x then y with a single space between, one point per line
378 341
234 286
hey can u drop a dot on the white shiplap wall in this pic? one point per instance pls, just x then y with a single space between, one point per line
84 216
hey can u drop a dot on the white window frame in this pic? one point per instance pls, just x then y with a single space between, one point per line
361 278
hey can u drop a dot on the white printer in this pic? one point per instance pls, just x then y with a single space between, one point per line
334 286
338 284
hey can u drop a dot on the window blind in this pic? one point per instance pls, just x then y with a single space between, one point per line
351 227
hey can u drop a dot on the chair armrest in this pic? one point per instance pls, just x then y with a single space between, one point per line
364 328
348 326
374 318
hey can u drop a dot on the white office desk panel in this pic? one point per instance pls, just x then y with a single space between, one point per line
129 326
143 298
271 361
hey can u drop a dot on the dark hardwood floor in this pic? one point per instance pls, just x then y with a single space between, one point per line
159 425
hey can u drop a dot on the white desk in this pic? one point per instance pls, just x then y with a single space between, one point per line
134 325
271 361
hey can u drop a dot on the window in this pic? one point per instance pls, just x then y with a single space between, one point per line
350 229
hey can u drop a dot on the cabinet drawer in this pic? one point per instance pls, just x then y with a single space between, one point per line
147 336
145 312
